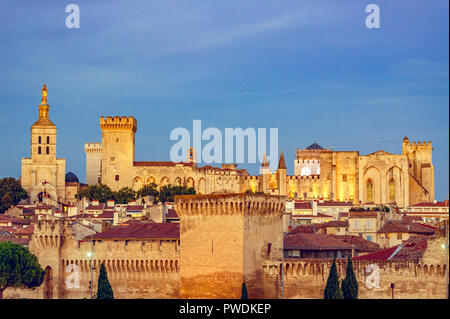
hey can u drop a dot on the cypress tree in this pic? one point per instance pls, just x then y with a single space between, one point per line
333 289
104 290
244 291
350 284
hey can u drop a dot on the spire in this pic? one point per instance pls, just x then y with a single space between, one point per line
281 162
265 163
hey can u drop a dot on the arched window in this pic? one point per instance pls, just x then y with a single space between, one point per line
48 139
392 190
39 140
369 191
39 150
306 171
47 150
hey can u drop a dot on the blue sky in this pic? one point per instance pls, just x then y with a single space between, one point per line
310 68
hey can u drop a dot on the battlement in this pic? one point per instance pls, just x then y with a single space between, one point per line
305 177
229 204
49 233
118 123
321 266
125 265
93 147
417 145
421 144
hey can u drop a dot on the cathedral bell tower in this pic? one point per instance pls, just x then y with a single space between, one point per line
43 175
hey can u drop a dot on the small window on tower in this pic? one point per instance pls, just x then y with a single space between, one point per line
48 139
117 140
39 149
117 177
47 151
39 140
344 177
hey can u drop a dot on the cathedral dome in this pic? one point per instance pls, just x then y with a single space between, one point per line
314 146
71 178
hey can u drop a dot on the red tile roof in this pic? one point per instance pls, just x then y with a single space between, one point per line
335 223
95 207
135 208
404 227
43 207
412 250
314 242
411 219
171 213
15 220
313 228
302 205
431 204
335 203
360 243
142 231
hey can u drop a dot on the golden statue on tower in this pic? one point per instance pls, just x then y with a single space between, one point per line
44 95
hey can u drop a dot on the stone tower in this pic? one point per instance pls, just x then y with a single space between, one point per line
224 241
46 243
43 175
118 145
93 162
420 169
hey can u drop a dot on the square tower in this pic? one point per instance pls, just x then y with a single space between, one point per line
43 175
225 239
118 145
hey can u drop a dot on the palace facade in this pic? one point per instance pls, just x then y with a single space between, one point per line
380 177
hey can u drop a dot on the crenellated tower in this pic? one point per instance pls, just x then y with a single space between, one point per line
420 169
224 240
93 162
118 146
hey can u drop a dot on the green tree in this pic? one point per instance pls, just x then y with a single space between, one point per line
333 289
349 285
148 190
18 267
11 193
167 192
104 290
100 192
124 195
244 294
